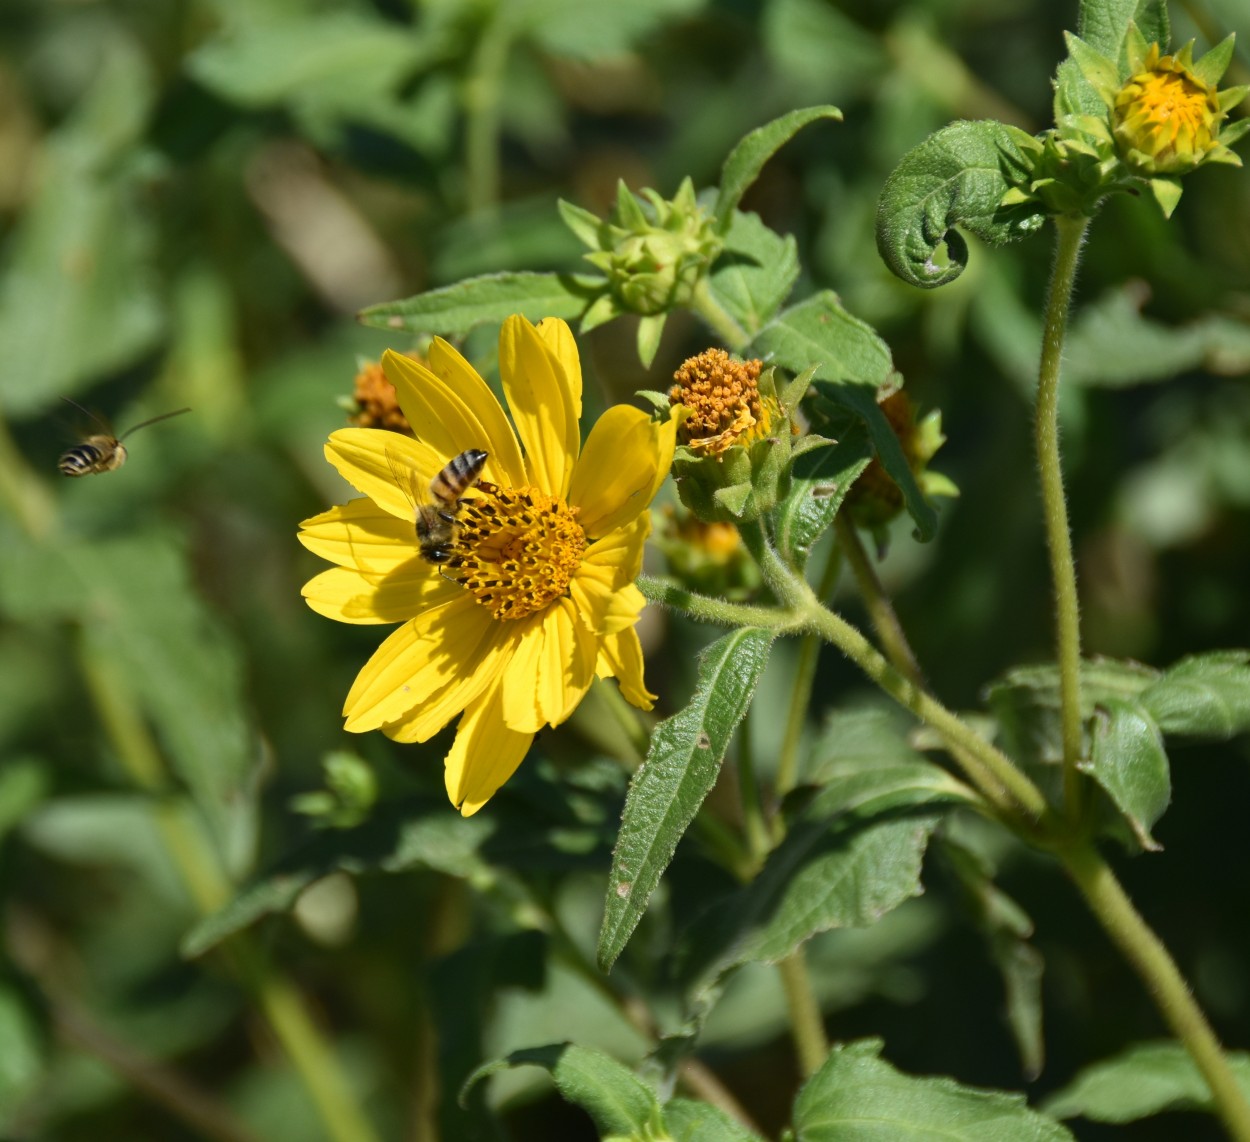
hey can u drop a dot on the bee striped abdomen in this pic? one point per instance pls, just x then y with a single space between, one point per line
93 455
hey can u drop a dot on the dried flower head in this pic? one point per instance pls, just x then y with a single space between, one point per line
723 402
374 403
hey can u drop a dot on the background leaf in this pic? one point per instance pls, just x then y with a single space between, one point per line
857 1096
682 764
1206 696
1144 1080
454 310
617 1101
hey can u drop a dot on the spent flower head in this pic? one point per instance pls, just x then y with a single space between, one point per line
735 435
373 403
537 595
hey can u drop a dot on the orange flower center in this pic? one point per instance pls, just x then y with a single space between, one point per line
1167 114
517 549
723 402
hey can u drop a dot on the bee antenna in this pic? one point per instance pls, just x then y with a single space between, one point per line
144 424
108 431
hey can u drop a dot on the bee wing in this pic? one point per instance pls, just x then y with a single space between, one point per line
102 424
406 480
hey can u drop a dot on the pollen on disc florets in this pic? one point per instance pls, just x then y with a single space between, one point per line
1165 118
723 402
517 549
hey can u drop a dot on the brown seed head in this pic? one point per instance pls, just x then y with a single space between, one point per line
376 404
722 398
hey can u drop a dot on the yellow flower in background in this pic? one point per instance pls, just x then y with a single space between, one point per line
539 597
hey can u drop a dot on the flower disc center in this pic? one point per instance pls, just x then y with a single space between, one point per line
517 549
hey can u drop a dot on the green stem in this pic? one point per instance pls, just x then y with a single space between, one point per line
801 687
669 594
482 116
881 611
806 1024
759 837
1070 236
1146 953
721 321
626 717
994 775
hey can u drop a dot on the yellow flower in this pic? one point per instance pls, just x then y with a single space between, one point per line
1165 118
723 402
539 597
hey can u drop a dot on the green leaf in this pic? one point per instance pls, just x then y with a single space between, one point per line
682 765
455 309
747 159
956 177
688 1121
1007 930
1103 24
819 481
79 297
1142 1081
755 273
861 400
857 1097
1129 762
842 865
618 1101
852 363
407 835
1025 701
269 63
819 331
1206 696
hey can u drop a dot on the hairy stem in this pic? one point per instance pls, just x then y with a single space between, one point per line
801 687
806 1025
709 610
1071 234
1150 959
880 610
718 318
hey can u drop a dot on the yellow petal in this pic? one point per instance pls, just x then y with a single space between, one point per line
540 396
422 722
345 594
616 559
415 662
559 338
551 671
452 409
394 471
484 755
620 657
362 535
626 458
603 611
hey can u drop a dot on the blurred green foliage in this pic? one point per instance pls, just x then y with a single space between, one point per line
195 198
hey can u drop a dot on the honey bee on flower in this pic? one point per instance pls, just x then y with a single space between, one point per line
538 597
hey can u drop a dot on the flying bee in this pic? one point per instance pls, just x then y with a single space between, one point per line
436 516
101 451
